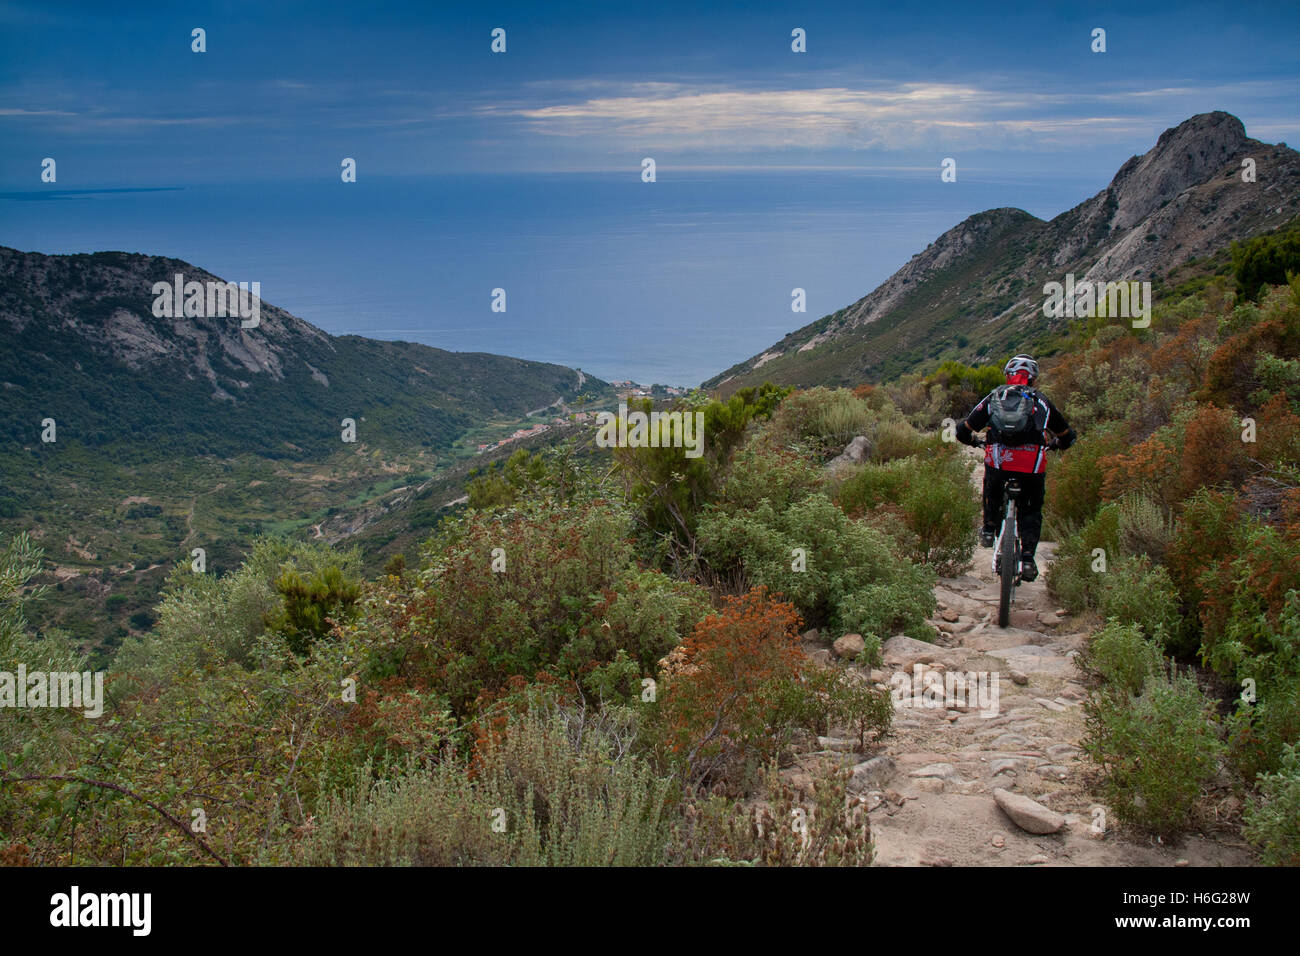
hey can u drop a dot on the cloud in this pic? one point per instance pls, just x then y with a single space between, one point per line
21 112
901 116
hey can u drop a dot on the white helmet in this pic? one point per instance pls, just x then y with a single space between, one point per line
1022 363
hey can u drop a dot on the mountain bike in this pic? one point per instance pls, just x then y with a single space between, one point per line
1006 551
1006 547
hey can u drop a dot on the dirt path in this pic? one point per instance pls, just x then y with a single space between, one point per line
937 806
930 789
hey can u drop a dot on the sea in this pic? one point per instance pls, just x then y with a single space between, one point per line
668 282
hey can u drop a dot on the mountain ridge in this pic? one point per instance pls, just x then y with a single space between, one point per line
82 337
974 290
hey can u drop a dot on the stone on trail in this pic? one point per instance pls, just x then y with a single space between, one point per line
849 646
1027 814
991 638
901 649
1024 618
940 770
811 636
872 774
1019 677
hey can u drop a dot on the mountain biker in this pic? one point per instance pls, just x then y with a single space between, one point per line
1020 454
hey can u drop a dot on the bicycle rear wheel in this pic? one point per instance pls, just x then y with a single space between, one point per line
1008 559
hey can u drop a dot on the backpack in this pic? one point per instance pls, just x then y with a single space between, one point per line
1015 415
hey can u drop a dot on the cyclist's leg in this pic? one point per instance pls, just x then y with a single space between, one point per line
1030 513
994 480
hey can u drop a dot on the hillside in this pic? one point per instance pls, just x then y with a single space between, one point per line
83 347
182 433
976 291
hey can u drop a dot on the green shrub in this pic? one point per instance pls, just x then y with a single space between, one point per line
1249 607
1265 260
1144 527
1157 750
940 508
1273 820
550 790
762 472
542 587
842 697
850 577
961 386
1259 731
872 485
898 439
1270 719
1071 577
903 604
207 618
667 489
928 505
1136 591
312 604
821 421
1122 658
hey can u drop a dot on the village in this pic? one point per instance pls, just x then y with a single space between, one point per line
623 391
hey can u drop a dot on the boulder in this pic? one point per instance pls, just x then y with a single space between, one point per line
855 452
849 646
1027 814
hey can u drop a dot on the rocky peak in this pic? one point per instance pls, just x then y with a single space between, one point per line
1184 156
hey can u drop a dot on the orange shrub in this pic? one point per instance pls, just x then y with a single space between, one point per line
1277 433
1148 467
723 701
1203 451
1213 452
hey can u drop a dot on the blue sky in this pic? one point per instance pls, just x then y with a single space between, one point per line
285 90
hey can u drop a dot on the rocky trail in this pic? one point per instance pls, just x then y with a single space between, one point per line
992 781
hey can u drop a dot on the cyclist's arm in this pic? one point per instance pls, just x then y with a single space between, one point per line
1058 426
976 421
